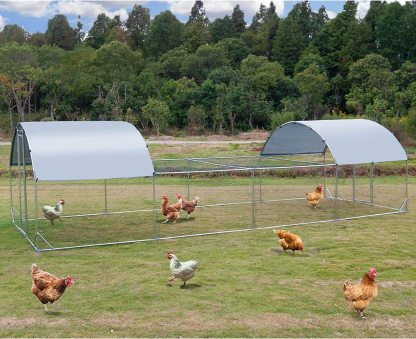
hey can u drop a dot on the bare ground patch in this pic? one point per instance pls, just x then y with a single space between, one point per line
14 322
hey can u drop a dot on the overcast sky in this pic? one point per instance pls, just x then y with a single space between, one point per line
33 15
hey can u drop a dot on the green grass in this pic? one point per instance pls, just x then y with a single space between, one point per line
246 285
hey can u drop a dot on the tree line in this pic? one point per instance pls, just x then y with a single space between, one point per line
224 76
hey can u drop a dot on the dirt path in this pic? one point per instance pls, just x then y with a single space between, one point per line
178 142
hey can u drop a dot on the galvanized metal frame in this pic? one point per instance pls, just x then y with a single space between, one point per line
224 167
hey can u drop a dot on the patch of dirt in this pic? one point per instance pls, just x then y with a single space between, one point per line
13 322
400 284
116 321
278 321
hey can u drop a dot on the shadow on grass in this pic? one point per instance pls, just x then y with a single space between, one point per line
190 286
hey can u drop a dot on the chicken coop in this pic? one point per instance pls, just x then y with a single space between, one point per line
113 189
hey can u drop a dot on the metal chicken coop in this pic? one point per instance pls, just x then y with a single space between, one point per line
112 188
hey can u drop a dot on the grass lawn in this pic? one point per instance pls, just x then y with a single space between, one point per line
246 286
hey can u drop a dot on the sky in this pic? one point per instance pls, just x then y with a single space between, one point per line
33 15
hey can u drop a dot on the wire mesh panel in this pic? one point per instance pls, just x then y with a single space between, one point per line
232 194
225 203
95 212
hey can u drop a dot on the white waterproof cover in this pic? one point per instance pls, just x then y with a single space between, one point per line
351 141
79 150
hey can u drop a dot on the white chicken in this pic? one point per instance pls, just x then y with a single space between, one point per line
181 270
52 213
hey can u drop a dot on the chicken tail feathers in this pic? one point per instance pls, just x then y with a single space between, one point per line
34 268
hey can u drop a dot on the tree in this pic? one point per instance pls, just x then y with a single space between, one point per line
395 33
79 33
59 33
261 33
157 112
221 29
99 31
372 85
295 33
196 117
18 74
313 85
165 33
200 64
196 32
238 20
235 50
38 39
13 33
172 62
137 24
115 64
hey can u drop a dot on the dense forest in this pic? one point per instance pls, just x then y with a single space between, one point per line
224 76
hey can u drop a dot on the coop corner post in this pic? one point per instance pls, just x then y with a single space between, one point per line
260 183
324 173
25 185
372 183
253 200
353 183
35 189
336 193
189 177
19 175
105 197
406 184
154 205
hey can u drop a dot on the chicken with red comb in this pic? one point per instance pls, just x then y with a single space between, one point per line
359 295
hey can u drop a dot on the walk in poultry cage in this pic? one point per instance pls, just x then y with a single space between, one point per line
112 188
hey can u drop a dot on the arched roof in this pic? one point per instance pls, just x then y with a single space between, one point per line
351 141
78 150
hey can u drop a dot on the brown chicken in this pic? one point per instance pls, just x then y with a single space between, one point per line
188 206
315 197
47 287
289 241
171 212
359 295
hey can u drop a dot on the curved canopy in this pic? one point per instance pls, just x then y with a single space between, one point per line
78 150
354 141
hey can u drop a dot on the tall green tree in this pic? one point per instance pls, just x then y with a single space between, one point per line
157 112
99 31
18 76
165 33
313 85
372 87
137 24
13 33
295 33
261 33
196 32
238 19
206 59
221 29
59 33
395 33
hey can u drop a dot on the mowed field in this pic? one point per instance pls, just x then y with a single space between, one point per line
246 286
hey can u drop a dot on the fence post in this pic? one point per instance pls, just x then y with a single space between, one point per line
253 201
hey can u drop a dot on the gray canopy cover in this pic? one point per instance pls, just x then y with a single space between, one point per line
351 141
78 150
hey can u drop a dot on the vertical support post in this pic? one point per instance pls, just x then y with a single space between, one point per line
353 183
11 190
35 189
260 183
406 184
253 202
19 170
324 174
372 182
154 206
105 197
24 185
336 193
189 178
